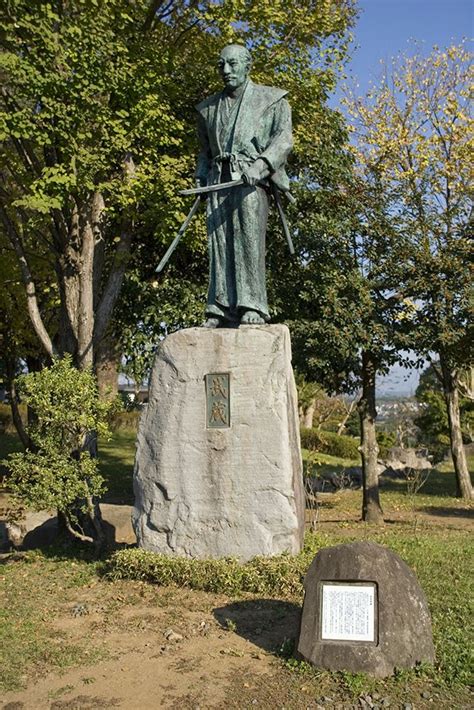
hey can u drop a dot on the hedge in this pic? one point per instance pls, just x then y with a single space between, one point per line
327 442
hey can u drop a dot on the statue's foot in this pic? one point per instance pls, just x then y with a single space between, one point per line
212 322
251 318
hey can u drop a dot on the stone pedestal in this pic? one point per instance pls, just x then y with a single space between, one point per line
218 469
364 611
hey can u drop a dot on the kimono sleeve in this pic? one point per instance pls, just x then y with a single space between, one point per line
204 156
280 140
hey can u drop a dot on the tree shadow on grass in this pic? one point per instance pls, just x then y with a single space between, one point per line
437 484
447 512
267 623
118 479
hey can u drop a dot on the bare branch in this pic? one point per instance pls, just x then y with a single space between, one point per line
151 14
32 301
178 41
166 11
76 533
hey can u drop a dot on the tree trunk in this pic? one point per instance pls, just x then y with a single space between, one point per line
451 395
90 228
76 272
67 270
85 312
16 416
308 415
371 509
106 367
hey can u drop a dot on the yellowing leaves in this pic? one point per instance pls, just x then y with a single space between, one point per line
415 130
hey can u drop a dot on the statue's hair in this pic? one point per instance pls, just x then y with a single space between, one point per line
248 56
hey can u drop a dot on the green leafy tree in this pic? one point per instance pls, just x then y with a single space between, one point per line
97 131
341 297
433 420
414 136
87 128
61 470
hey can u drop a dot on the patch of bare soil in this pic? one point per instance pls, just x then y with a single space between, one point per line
180 649
168 649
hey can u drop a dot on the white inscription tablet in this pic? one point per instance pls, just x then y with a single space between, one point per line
348 612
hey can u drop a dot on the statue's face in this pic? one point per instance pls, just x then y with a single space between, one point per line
233 67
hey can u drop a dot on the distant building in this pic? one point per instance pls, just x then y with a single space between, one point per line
396 408
128 390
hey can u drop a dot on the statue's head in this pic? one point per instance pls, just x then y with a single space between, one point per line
234 65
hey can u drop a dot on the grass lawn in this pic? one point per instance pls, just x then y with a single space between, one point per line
67 621
116 465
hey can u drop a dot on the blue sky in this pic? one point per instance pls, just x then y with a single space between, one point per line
384 28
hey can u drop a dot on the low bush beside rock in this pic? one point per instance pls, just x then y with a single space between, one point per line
278 575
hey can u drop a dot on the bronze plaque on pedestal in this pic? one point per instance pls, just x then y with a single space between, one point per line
217 400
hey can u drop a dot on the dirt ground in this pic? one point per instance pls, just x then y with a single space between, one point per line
164 648
172 648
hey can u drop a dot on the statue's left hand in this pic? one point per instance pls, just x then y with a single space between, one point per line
201 182
256 172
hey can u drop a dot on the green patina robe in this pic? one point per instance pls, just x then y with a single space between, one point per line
258 125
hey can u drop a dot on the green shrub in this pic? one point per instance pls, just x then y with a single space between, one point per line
327 442
280 575
385 440
61 470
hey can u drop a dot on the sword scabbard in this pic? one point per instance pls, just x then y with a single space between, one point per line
284 223
177 238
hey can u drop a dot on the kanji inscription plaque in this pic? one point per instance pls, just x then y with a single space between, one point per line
218 400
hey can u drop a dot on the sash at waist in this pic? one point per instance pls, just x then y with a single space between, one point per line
236 162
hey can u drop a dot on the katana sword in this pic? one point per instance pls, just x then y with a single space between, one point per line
175 241
206 189
211 188
236 183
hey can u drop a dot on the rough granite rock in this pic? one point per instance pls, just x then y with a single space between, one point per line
404 636
234 491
